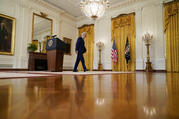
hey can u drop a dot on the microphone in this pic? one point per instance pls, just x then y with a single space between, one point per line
54 36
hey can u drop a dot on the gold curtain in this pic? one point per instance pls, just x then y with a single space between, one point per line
171 29
89 43
123 26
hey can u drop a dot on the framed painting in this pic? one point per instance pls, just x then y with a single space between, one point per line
7 34
68 45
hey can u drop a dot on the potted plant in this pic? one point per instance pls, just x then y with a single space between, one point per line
31 47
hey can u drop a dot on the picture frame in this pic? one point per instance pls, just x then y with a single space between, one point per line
68 45
7 34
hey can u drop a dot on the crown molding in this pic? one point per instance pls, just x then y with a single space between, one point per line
68 16
54 9
46 5
125 3
131 2
80 18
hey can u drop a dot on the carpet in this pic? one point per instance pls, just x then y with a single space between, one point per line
5 75
26 74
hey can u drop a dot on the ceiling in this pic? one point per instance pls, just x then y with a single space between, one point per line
73 6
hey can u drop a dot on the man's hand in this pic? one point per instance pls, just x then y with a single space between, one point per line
76 51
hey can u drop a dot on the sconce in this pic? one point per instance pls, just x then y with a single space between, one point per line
147 40
100 46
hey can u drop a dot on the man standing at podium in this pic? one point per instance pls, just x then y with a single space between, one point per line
80 49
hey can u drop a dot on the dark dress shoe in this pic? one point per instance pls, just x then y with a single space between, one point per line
75 71
85 70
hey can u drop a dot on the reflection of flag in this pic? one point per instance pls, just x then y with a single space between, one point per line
114 53
127 51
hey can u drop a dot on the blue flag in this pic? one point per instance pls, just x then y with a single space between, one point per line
127 51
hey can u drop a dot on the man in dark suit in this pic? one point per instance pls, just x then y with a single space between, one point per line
80 49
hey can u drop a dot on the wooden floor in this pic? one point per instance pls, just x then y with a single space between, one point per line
113 96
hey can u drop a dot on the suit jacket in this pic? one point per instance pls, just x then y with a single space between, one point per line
80 45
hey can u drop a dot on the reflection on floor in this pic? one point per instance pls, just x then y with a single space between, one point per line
113 96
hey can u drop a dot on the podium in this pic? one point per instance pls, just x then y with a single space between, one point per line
55 52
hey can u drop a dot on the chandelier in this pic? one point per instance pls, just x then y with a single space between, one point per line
94 9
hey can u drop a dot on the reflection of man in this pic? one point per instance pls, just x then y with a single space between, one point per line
79 95
80 49
3 37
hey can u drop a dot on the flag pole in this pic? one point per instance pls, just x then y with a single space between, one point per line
127 67
114 66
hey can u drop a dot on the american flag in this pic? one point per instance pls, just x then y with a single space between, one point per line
114 53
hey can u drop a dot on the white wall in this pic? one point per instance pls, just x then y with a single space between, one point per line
64 25
148 18
69 30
